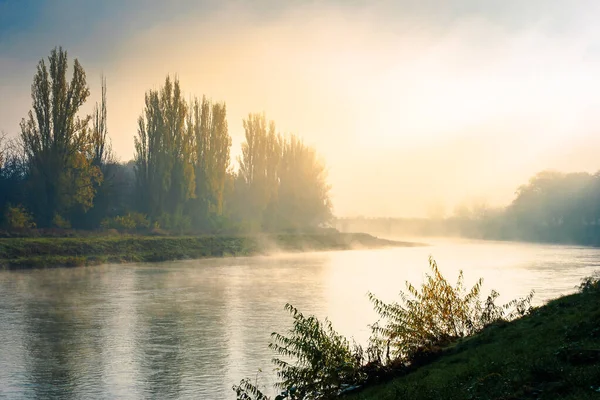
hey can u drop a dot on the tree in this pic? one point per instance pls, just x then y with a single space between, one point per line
164 153
13 174
258 175
303 190
2 149
282 181
57 143
101 149
213 143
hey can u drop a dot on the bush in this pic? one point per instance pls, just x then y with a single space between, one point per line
436 315
60 222
18 218
324 359
316 362
247 390
590 283
129 222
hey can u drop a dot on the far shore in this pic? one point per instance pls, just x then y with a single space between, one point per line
87 250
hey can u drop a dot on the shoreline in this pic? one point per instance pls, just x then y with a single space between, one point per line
59 252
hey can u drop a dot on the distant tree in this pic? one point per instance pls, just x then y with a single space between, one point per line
303 199
57 143
13 174
114 193
101 149
213 143
2 148
164 153
282 180
259 164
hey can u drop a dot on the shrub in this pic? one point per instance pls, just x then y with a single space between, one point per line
18 218
60 222
316 362
247 390
128 222
323 363
590 283
437 315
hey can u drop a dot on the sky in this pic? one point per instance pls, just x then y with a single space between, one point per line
416 107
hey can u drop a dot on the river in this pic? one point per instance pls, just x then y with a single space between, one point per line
191 329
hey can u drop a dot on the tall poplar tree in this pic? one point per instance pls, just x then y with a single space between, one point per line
164 153
57 142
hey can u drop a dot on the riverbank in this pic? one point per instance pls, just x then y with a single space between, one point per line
50 252
554 353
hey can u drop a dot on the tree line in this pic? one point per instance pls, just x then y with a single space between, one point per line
552 207
61 172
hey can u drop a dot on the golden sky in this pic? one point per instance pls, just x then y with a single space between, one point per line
413 105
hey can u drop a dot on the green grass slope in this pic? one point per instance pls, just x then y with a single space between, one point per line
554 353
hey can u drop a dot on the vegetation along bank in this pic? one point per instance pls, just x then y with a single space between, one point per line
444 341
47 252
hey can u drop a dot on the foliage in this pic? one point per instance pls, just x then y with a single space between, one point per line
57 143
181 177
49 248
18 218
2 149
552 207
281 180
163 146
60 222
550 354
323 360
247 390
303 194
316 362
437 315
590 283
208 122
128 222
101 149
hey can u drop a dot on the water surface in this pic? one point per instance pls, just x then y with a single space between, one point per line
191 329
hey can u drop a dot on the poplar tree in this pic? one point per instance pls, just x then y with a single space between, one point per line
101 151
258 167
164 154
282 181
57 143
303 190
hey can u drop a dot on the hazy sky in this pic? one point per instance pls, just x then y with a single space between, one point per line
414 105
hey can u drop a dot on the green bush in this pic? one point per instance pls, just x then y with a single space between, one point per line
437 315
18 218
247 390
60 222
324 361
316 362
590 283
128 222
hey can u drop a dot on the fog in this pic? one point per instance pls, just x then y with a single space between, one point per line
415 106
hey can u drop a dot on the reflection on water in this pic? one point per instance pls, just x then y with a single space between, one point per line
192 329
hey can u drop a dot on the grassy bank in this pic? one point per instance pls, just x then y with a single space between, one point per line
47 252
554 353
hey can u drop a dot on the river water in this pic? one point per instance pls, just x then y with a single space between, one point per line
191 329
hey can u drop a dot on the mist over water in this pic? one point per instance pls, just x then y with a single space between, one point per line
192 329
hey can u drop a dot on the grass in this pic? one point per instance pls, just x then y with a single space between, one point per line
554 353
47 252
